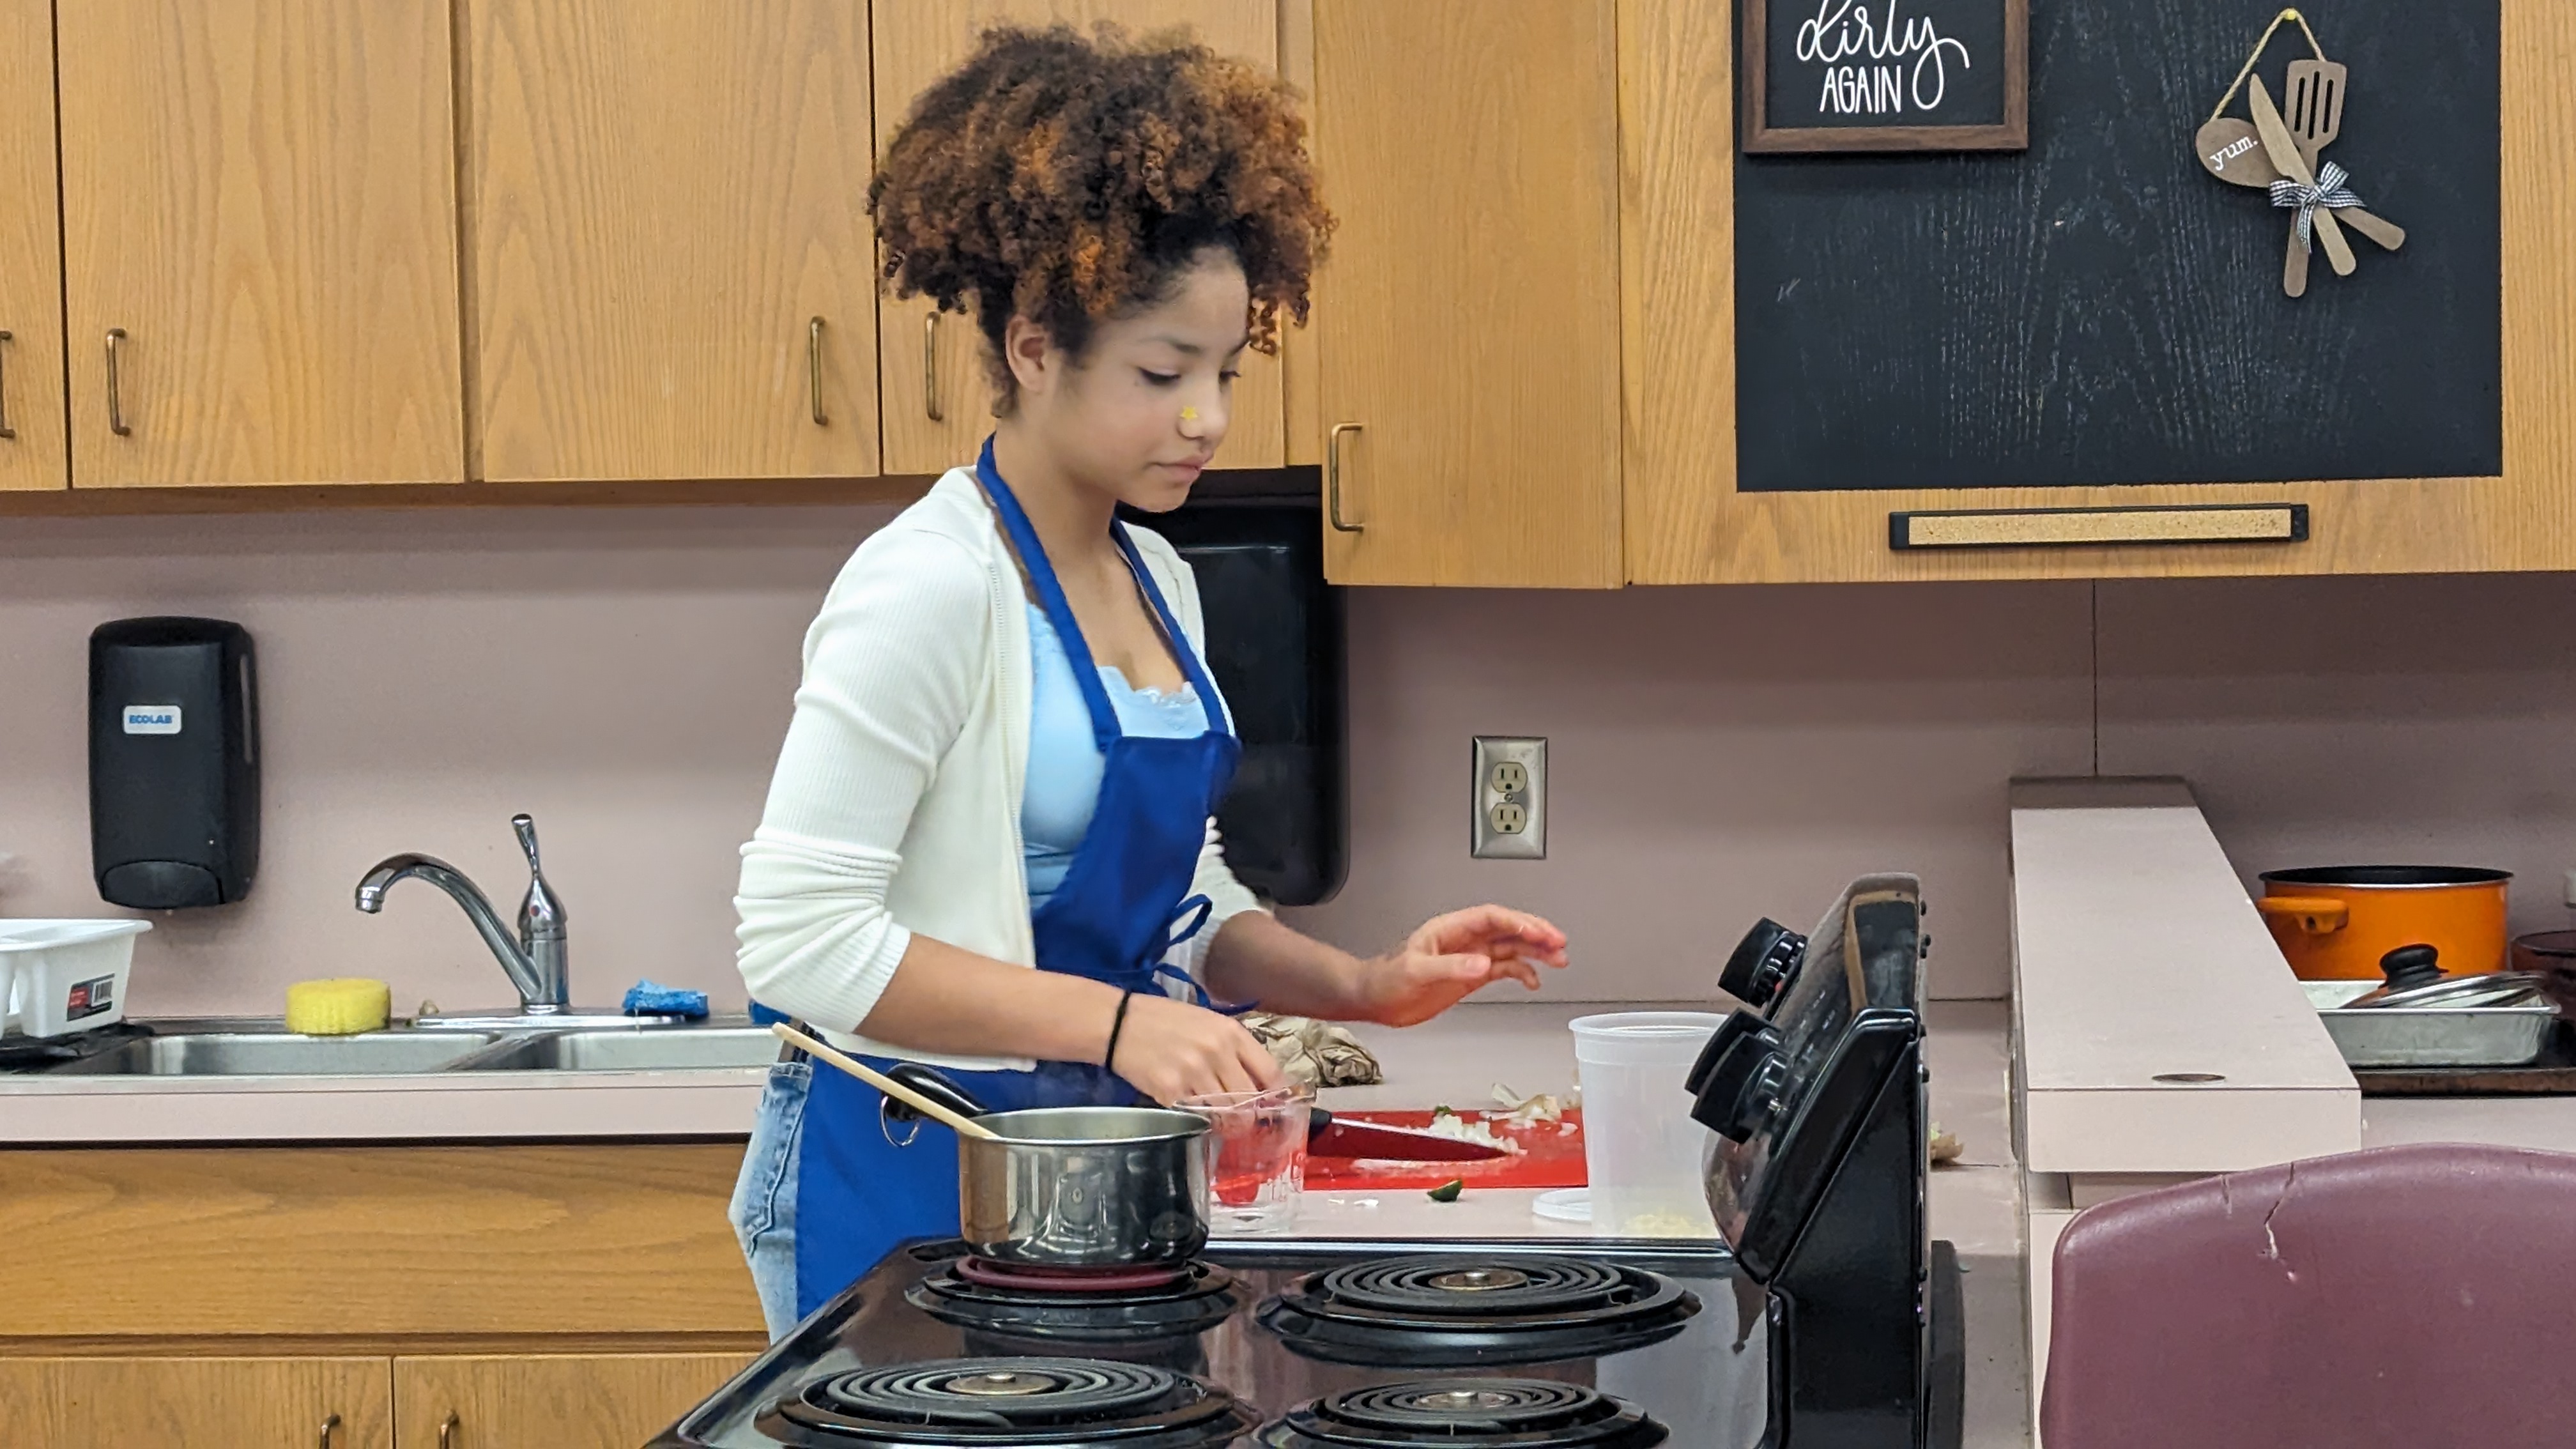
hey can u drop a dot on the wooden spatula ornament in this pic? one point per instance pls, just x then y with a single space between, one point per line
2315 92
2280 154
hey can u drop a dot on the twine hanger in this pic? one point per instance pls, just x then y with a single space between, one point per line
2248 68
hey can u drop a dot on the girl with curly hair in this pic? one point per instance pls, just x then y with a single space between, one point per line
988 844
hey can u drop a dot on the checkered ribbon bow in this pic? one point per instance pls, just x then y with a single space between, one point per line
2329 192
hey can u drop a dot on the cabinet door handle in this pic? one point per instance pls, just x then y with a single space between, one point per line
330 1426
1333 479
930 368
116 425
814 369
6 431
447 1431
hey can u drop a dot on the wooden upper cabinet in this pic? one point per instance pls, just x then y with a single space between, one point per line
259 196
198 1403
938 405
1467 323
582 1401
667 246
32 449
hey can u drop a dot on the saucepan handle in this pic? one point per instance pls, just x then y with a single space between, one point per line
2316 915
930 1083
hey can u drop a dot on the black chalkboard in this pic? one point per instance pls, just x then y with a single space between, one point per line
2099 310
1885 75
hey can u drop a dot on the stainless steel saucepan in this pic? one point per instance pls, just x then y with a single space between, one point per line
1073 1187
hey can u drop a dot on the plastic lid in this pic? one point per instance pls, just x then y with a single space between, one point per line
1565 1205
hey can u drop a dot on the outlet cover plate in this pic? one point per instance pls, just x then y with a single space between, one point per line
1509 789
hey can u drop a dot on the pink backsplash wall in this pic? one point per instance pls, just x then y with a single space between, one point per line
1715 754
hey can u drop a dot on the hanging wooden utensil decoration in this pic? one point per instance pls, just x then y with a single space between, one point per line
2279 155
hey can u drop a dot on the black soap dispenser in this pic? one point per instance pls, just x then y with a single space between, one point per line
173 762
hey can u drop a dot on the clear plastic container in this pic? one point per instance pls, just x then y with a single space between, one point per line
1641 1149
68 975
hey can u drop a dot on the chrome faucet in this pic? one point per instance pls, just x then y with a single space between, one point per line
535 961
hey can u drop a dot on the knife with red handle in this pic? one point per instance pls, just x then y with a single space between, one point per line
1328 1136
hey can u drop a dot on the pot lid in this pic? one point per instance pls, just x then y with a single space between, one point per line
2415 979
2388 877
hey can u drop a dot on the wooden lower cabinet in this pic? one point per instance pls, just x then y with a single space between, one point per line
184 1403
573 1401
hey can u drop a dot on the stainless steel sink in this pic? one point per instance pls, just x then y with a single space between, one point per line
646 1050
281 1054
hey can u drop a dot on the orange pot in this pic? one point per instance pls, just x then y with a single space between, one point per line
2335 922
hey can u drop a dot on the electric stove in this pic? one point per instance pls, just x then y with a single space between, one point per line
1825 1319
1322 1344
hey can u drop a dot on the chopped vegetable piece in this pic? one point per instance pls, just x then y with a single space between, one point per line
1465 1129
1522 1111
1448 1191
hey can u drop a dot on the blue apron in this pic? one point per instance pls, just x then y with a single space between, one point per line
1125 902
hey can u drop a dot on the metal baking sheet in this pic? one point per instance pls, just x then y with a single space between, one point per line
2472 1036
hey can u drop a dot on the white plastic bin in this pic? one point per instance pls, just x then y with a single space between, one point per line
67 976
1641 1149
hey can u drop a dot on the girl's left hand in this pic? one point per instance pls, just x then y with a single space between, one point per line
1451 955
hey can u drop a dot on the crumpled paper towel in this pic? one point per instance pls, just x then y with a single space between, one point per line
1314 1053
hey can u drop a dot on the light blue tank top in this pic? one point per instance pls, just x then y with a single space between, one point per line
1065 762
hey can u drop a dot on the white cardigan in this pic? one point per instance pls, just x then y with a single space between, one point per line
896 804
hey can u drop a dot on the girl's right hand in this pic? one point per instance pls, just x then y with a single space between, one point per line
1172 1049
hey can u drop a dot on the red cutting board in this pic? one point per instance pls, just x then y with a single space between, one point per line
1548 1157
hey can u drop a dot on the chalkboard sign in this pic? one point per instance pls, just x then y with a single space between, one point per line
1886 75
2099 310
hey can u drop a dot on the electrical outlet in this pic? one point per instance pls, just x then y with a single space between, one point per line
1510 796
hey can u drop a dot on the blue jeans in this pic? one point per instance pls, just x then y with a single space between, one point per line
763 1212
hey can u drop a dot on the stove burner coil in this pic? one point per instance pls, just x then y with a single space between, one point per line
1440 1284
1068 1280
1454 1310
1057 1402
1523 1413
1042 1307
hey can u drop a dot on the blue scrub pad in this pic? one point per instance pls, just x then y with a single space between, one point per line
646 999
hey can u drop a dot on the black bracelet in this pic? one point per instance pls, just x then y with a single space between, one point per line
1117 1024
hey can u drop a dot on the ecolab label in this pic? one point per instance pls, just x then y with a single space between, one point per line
89 998
152 719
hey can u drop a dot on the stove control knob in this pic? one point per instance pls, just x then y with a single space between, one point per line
1738 1079
1763 963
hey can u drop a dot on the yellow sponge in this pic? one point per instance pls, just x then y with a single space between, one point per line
338 1008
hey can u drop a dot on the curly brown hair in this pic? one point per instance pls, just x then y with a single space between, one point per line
1069 179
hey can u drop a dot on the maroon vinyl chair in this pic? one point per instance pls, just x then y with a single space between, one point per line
2418 1297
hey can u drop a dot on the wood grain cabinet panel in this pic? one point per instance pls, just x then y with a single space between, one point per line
598 1238
260 194
571 1401
1467 326
661 200
198 1403
938 406
33 451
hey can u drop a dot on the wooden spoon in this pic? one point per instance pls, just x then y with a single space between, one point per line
2230 150
965 1126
